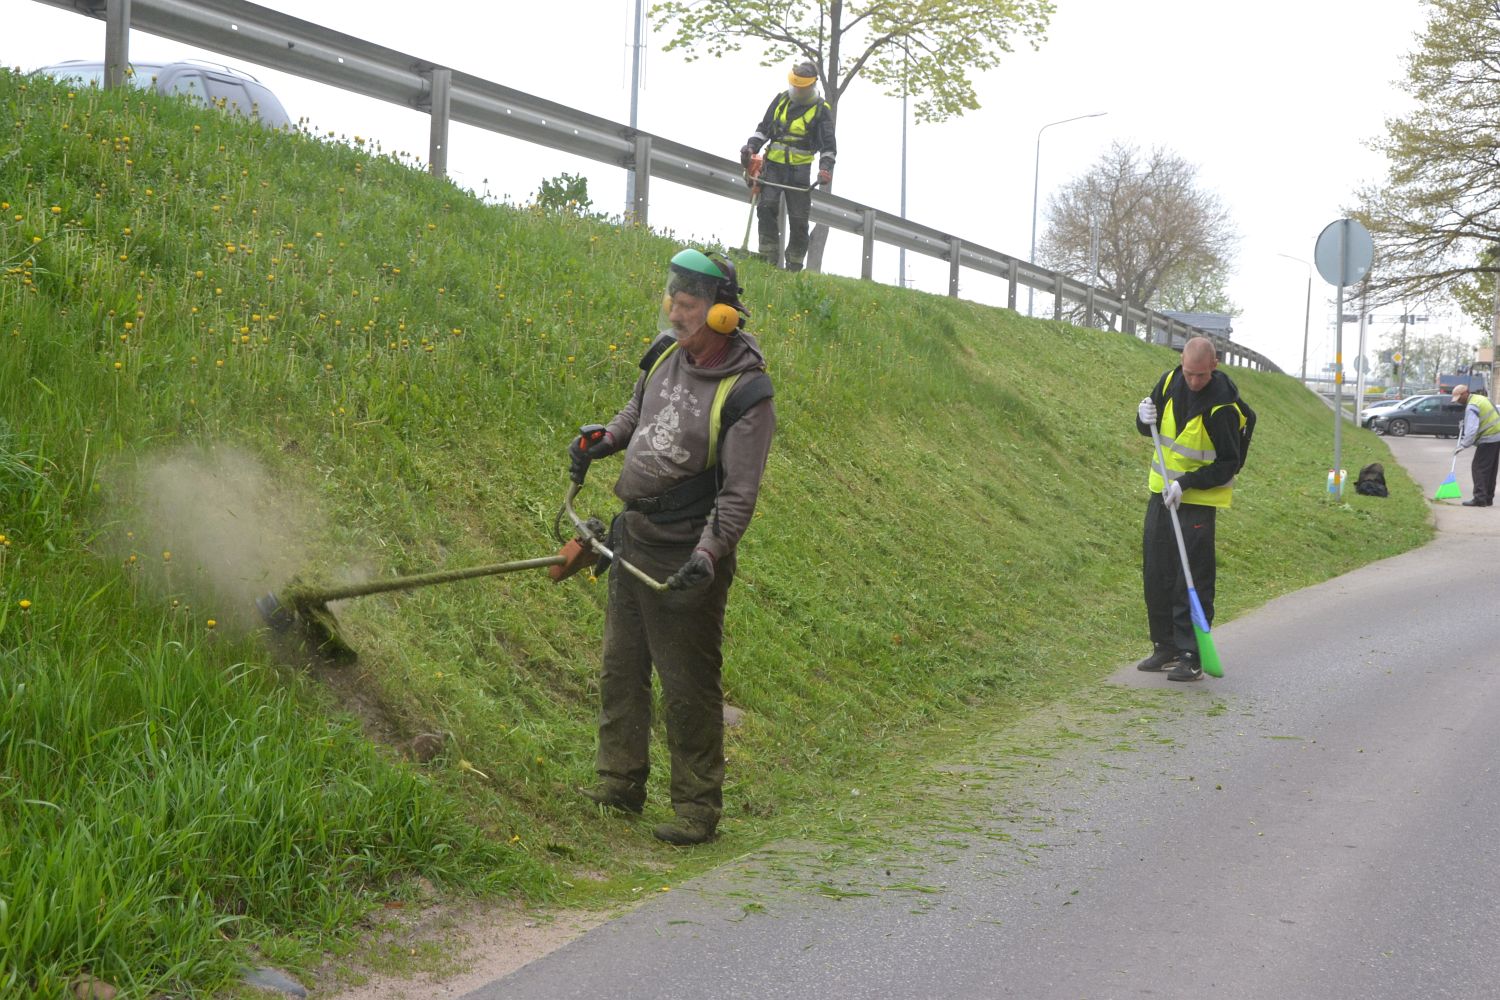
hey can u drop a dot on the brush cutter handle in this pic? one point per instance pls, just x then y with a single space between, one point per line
323 595
585 532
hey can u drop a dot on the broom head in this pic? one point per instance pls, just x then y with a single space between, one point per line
1208 654
1448 489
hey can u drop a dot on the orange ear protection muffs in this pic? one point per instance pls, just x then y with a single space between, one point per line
727 314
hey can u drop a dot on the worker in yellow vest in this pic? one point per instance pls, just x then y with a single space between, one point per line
1205 437
1481 429
796 131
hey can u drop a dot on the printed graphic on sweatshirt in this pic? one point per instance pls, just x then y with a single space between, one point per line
663 435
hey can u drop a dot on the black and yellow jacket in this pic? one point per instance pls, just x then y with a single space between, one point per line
1205 437
799 133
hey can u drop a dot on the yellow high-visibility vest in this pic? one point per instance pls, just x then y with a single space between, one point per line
1489 419
1189 448
789 151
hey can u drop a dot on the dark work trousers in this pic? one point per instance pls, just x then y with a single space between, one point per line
1167 609
1486 462
798 208
680 633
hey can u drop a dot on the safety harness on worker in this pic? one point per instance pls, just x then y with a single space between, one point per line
1190 448
695 496
789 144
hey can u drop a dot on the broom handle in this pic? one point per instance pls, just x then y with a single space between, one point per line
1187 570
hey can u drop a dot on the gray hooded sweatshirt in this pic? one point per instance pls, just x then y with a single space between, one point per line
664 433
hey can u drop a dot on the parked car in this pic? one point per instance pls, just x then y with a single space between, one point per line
1421 415
1379 406
207 83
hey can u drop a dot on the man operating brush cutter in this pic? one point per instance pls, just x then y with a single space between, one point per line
696 432
1203 443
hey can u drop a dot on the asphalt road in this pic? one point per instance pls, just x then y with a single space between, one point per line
1321 823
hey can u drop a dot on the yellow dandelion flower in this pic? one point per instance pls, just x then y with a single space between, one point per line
166 557
56 210
212 623
24 603
197 274
118 366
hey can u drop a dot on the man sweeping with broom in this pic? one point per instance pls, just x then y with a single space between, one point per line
1204 438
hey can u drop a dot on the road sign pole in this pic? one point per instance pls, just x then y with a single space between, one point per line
1338 366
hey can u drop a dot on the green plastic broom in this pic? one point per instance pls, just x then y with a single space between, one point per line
1208 655
1448 488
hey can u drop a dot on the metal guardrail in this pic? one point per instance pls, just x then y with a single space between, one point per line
290 44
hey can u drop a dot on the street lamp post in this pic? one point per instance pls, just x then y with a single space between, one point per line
1307 312
1036 183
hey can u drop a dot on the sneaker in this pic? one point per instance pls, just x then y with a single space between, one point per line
1188 668
616 795
1162 657
684 831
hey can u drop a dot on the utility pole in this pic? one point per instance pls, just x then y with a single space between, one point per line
635 94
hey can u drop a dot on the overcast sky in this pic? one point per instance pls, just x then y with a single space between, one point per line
1273 102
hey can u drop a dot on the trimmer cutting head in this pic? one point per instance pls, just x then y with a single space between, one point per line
304 618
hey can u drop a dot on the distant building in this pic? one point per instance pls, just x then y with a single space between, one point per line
1218 324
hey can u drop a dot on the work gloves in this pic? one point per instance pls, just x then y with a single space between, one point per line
1146 412
699 569
746 152
1171 495
580 455
825 177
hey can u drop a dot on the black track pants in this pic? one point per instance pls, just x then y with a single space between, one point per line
1167 610
798 209
1486 463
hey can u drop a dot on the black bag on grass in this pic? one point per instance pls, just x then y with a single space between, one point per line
1371 481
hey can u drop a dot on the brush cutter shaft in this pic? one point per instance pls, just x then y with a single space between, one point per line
585 532
425 579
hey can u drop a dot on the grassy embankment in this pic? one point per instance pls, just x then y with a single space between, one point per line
266 353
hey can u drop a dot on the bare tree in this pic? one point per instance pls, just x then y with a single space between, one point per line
1138 227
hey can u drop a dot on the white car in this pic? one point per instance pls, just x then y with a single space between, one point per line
207 83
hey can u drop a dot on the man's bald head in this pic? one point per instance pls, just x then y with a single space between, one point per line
1198 363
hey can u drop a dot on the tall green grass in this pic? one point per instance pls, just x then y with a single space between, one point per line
390 370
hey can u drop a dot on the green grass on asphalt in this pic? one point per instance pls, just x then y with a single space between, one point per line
230 356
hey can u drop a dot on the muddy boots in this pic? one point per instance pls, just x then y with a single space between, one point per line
684 831
621 796
1162 657
1188 668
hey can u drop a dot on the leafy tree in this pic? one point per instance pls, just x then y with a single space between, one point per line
925 49
1437 216
1162 242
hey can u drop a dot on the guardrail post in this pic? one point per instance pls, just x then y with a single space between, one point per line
1088 307
1013 274
1057 297
116 42
440 80
867 267
642 200
955 249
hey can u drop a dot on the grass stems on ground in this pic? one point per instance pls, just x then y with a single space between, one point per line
228 356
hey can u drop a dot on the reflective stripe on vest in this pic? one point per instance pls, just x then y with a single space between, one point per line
1489 419
1188 449
790 152
715 412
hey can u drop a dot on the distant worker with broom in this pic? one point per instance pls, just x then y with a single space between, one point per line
1205 436
696 433
1481 429
796 130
